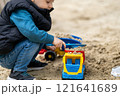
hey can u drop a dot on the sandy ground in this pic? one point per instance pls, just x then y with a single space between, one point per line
98 23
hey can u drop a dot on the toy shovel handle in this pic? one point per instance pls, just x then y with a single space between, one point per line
49 45
63 48
74 45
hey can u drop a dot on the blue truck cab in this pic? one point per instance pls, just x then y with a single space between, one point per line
73 66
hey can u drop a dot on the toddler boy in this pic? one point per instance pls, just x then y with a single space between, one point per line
23 32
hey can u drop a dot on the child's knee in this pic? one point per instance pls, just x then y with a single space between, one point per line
32 45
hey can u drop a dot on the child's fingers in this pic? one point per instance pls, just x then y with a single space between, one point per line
64 44
52 48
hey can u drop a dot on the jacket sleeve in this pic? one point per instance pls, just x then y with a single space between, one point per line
25 24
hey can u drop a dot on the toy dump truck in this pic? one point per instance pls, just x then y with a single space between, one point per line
73 68
51 55
70 43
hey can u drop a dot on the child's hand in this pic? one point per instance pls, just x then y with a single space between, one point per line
51 48
58 43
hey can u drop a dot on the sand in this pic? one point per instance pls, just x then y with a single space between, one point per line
98 23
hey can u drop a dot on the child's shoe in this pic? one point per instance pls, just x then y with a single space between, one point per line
17 75
36 65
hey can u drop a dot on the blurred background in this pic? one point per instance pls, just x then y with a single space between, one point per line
2 3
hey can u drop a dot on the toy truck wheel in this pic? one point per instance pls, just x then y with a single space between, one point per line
50 55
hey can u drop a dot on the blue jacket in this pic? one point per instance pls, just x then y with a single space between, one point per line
25 24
